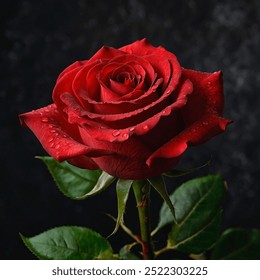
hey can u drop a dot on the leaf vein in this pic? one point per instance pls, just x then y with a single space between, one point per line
195 206
196 233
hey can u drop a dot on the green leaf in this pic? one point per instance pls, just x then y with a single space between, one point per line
178 173
125 253
74 182
198 206
159 185
104 181
122 189
238 244
69 243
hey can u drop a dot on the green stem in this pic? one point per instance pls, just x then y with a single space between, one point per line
142 197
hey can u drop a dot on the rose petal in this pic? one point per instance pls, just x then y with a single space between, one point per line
71 67
137 60
145 124
103 109
83 162
164 69
108 95
207 96
202 115
125 113
86 79
63 85
127 159
105 53
122 89
112 69
140 47
201 131
54 134
145 49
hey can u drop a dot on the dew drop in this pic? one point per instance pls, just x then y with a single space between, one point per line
44 120
51 145
57 146
166 112
116 133
131 129
46 110
125 135
50 139
145 127
53 130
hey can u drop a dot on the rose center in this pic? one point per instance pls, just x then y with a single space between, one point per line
126 78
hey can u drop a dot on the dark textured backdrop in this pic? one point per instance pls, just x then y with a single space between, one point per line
40 38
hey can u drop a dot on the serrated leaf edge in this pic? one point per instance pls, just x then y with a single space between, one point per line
28 244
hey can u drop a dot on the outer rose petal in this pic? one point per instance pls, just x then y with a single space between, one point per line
48 126
198 133
71 67
128 160
202 115
207 96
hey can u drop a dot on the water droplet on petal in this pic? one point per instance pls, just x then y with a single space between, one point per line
116 133
45 120
145 127
53 130
57 146
50 139
51 145
166 111
131 129
125 136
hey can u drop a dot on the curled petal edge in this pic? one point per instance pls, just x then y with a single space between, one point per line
199 132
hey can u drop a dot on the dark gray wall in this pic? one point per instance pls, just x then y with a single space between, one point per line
40 38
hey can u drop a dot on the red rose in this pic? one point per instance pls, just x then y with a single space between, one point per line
131 112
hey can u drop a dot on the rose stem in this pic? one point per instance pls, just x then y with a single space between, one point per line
142 197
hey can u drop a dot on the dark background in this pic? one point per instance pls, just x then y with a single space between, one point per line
40 38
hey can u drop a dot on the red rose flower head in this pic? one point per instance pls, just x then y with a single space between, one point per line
131 112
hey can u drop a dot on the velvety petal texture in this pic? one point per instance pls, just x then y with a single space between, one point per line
131 112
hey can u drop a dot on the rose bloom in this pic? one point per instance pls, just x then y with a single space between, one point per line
131 112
